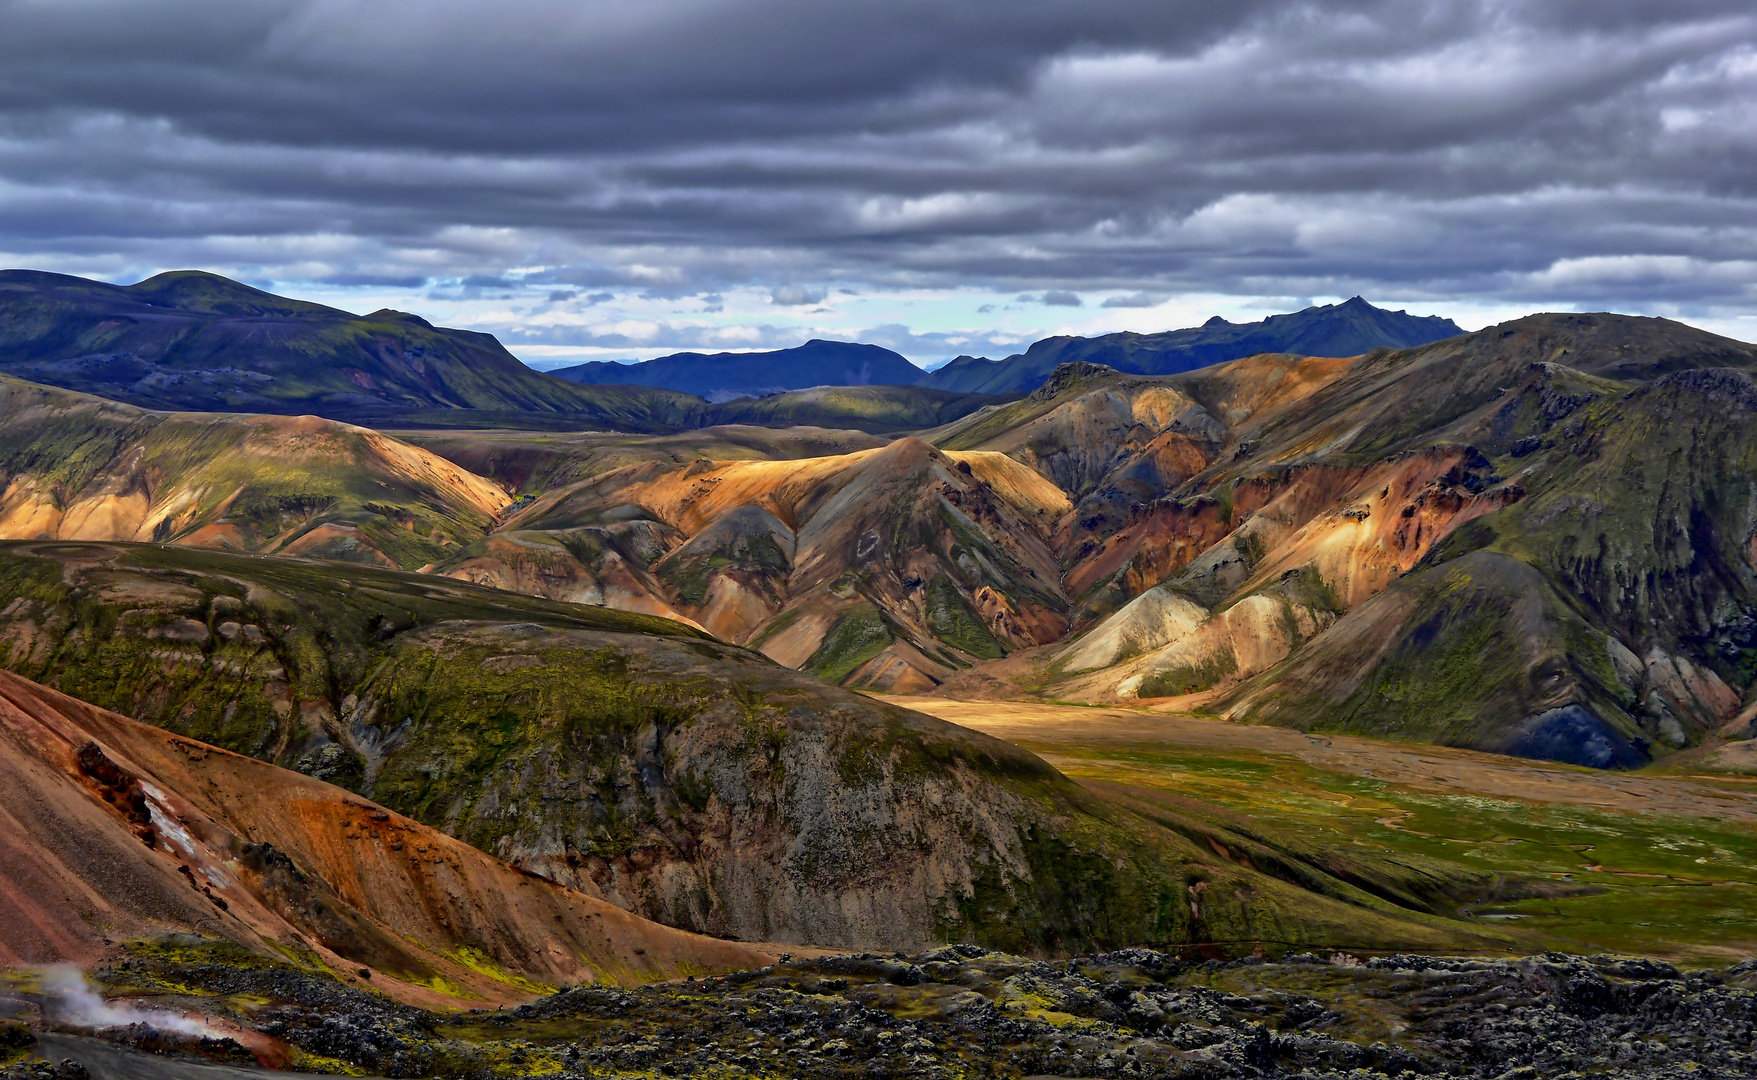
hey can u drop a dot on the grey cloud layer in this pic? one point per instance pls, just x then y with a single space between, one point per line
1595 152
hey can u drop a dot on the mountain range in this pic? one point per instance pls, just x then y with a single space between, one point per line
1213 537
1426 544
1347 329
725 376
194 341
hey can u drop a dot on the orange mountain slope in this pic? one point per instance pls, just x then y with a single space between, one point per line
927 559
110 829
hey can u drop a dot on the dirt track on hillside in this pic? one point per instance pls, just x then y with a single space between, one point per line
1049 728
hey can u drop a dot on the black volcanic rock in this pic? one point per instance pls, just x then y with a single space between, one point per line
1347 329
723 376
962 1011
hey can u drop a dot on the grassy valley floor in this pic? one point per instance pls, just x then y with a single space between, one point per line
1656 864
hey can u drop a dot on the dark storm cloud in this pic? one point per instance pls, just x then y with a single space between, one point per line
1567 152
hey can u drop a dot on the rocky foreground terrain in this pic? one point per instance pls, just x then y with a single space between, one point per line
961 1011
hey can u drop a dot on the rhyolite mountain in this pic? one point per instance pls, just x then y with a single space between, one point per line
1346 329
625 757
188 340
890 568
1535 539
724 376
121 830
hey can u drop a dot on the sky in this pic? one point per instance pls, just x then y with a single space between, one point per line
620 179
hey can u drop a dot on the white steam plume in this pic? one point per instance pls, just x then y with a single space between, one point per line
72 1001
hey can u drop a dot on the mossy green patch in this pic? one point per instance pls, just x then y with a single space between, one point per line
952 620
689 572
482 964
221 647
1577 877
1190 678
853 639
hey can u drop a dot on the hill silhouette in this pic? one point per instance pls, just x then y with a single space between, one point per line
723 376
189 340
1346 329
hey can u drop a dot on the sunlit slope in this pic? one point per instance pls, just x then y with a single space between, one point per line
885 567
633 759
81 468
116 830
1603 464
861 408
536 462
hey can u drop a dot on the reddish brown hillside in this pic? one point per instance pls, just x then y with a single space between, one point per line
110 829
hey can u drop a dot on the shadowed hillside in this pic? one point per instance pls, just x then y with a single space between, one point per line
877 409
723 376
195 341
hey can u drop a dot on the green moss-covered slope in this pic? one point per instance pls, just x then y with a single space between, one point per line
690 781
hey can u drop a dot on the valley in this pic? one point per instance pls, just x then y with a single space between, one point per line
1187 711
1659 864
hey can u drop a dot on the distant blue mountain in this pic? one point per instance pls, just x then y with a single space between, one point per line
724 376
1346 329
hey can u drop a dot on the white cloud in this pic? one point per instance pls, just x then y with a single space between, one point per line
796 295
